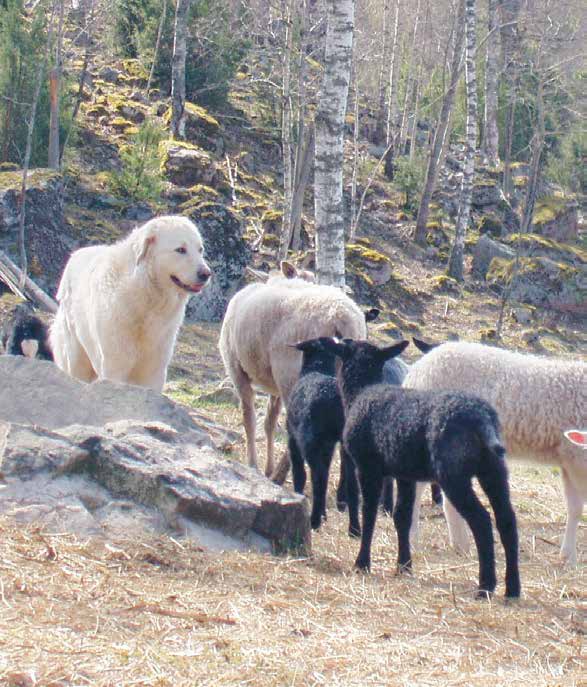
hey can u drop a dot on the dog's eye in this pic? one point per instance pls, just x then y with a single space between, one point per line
181 250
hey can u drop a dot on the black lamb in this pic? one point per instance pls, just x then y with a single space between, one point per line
414 436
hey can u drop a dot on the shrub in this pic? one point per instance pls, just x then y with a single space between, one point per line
408 178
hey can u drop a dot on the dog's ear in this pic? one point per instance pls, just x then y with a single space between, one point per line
142 245
288 270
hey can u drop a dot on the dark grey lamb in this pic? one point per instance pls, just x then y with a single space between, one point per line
416 436
23 333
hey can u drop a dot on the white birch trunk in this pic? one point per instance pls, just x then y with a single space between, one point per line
54 95
393 79
286 138
328 203
383 74
455 265
157 44
178 69
408 92
491 132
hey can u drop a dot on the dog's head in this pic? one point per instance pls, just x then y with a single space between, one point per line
172 249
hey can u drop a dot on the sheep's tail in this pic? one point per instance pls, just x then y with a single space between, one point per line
490 437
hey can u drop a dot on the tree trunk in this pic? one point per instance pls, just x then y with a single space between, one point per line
405 115
286 124
442 129
383 71
178 69
304 168
329 156
510 44
393 80
157 44
537 149
455 265
54 154
490 129
353 227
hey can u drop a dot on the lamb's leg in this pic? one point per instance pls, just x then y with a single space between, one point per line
495 485
298 468
341 492
575 502
402 519
387 497
415 527
463 498
371 485
457 527
436 494
319 466
352 493
273 408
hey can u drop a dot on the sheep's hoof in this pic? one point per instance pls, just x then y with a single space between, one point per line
484 595
363 565
354 532
404 568
315 525
513 591
340 506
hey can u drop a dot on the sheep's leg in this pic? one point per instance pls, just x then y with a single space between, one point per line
402 519
319 470
371 486
463 498
273 408
297 465
387 498
247 398
415 527
457 528
341 492
495 485
352 493
575 501
436 494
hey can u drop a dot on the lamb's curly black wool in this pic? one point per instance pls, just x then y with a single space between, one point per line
449 437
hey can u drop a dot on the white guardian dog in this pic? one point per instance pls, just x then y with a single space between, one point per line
121 306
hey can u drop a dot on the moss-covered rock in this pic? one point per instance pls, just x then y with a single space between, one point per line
444 284
271 221
541 281
185 164
556 217
375 266
485 193
535 244
490 224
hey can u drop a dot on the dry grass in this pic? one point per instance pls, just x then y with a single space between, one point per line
164 612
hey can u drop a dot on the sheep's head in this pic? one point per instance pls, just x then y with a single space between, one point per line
316 355
362 362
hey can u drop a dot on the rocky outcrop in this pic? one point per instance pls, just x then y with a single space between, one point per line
47 240
140 462
483 253
556 218
227 253
185 165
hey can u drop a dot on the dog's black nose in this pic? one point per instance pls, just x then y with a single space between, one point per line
204 273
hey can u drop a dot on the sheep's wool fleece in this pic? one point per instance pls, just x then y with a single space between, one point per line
536 397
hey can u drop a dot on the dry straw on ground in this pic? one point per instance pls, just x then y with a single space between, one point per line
163 612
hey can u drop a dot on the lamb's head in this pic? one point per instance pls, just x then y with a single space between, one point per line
362 363
316 356
172 251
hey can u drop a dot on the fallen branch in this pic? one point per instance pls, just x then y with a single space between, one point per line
24 286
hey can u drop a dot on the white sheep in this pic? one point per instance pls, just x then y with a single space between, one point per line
536 398
261 323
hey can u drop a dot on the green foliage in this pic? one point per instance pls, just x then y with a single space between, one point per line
409 178
565 165
22 46
212 59
141 177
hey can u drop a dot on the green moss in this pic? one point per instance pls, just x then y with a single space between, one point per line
443 282
541 244
357 251
203 190
521 181
135 69
35 177
130 130
195 115
120 123
272 216
548 209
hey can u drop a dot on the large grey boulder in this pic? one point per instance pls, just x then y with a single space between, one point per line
483 253
227 253
104 456
47 233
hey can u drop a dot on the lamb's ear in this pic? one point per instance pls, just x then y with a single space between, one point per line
372 314
142 245
394 350
304 346
423 346
288 270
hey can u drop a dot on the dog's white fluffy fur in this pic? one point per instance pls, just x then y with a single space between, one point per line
121 306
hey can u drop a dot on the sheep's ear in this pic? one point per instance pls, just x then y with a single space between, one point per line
372 314
288 270
304 346
423 346
142 246
394 350
338 348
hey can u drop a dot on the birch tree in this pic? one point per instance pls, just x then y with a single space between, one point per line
490 129
286 125
455 265
393 78
55 74
328 203
442 129
182 9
